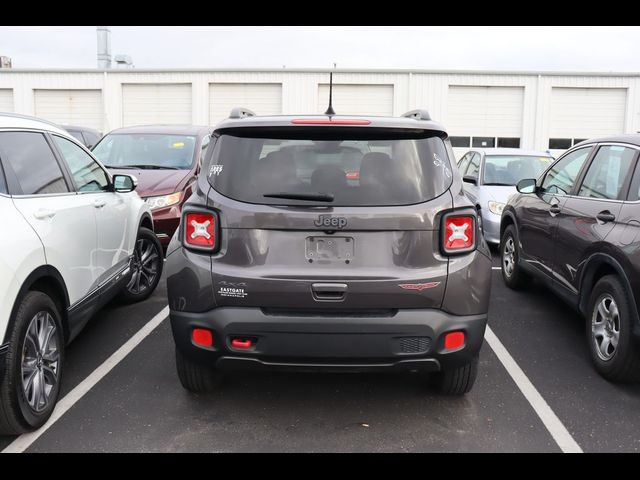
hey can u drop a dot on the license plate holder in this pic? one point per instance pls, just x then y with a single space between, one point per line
329 249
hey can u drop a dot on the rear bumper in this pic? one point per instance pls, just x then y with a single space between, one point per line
406 340
3 354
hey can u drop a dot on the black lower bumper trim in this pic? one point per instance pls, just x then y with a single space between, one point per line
411 339
244 363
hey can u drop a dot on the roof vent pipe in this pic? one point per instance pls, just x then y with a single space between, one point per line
104 48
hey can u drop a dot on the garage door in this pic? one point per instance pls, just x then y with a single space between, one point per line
587 112
71 107
485 111
144 104
357 99
262 98
6 100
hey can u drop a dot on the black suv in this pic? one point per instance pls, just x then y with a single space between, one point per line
577 228
328 242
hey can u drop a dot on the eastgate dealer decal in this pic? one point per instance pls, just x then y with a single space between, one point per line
232 292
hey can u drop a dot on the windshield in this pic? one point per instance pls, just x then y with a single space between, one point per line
344 169
153 151
510 169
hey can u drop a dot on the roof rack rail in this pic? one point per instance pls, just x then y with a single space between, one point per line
418 114
31 117
241 112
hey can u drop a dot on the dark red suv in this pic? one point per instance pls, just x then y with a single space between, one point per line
165 159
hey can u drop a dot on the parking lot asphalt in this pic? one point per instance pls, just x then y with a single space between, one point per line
139 405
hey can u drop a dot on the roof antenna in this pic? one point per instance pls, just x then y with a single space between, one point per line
330 110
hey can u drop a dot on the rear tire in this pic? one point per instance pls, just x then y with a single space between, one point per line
614 350
36 353
456 381
512 274
195 377
146 267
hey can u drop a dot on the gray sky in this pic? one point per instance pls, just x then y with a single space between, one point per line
599 49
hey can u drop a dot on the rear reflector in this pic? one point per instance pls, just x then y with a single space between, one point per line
202 337
241 344
323 121
453 340
200 230
459 233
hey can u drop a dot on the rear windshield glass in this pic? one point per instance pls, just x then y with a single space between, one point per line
510 169
151 151
345 169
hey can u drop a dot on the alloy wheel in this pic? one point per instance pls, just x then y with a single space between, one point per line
145 266
605 327
40 361
508 256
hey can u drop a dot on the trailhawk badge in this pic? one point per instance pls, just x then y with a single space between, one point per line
331 222
418 286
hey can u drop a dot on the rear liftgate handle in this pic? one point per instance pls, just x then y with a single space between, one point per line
329 292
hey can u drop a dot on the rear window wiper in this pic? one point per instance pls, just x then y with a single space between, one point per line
313 197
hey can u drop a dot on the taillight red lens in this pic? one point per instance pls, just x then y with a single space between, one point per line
459 233
200 229
453 340
202 337
355 175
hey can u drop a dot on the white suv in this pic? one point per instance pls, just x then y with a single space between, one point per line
72 238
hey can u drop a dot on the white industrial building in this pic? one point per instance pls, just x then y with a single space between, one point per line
541 110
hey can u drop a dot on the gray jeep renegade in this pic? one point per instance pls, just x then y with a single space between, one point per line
328 243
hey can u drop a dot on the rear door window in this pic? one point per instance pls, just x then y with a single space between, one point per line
33 163
355 168
87 174
608 172
3 183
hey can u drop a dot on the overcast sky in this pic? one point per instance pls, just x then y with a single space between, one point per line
601 49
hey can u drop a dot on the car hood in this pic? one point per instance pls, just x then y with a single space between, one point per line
498 193
152 183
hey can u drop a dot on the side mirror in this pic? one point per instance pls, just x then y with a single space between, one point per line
124 183
470 179
526 185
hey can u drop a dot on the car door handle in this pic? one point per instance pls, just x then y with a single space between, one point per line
554 210
99 203
606 216
43 214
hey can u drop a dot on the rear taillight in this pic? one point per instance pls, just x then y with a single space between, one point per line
200 230
459 233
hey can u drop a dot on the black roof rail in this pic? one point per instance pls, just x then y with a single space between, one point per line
241 112
419 114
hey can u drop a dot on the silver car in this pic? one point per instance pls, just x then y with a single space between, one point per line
490 176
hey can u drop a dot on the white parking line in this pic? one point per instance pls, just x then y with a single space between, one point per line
550 420
23 442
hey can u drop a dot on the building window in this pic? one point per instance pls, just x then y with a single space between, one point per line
506 142
486 142
559 143
578 140
462 142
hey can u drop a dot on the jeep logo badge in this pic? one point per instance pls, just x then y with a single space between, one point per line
329 221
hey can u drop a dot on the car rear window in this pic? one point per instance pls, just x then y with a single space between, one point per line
357 167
